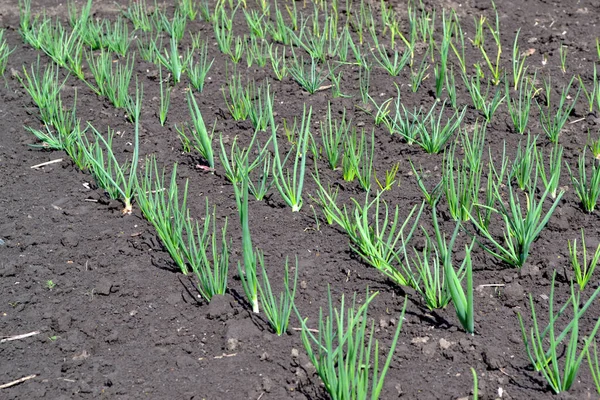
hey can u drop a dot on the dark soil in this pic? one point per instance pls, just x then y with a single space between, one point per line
121 322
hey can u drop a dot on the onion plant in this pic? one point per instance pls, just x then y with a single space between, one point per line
173 60
343 352
463 303
522 170
546 359
460 183
588 191
481 100
174 27
519 107
257 50
433 135
237 101
137 12
518 64
278 63
188 8
112 79
592 95
593 360
552 121
198 71
379 236
417 76
248 274
333 134
208 260
44 88
594 146
162 207
119 180
290 185
258 102
562 52
394 64
256 22
494 66
521 228
165 100
583 270
551 178
5 51
310 78
202 139
278 309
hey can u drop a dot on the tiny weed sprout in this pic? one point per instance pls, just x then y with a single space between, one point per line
278 312
583 271
343 352
562 52
289 184
588 190
50 284
546 360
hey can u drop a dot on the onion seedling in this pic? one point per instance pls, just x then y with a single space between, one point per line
520 106
393 65
278 312
116 37
481 100
258 101
460 183
161 206
433 135
562 52
112 79
552 178
524 164
256 23
278 63
333 134
521 228
310 79
583 271
248 274
379 239
137 13
5 51
257 50
345 359
203 140
594 146
175 27
588 191
432 196
418 76
290 187
188 8
165 99
210 268
119 180
546 361
592 95
552 121
172 60
518 64
237 102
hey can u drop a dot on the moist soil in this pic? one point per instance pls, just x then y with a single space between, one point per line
115 319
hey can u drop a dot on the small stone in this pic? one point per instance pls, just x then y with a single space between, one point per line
103 287
303 285
267 384
444 344
429 349
420 340
513 294
295 353
185 362
493 358
383 323
264 356
232 344
529 270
